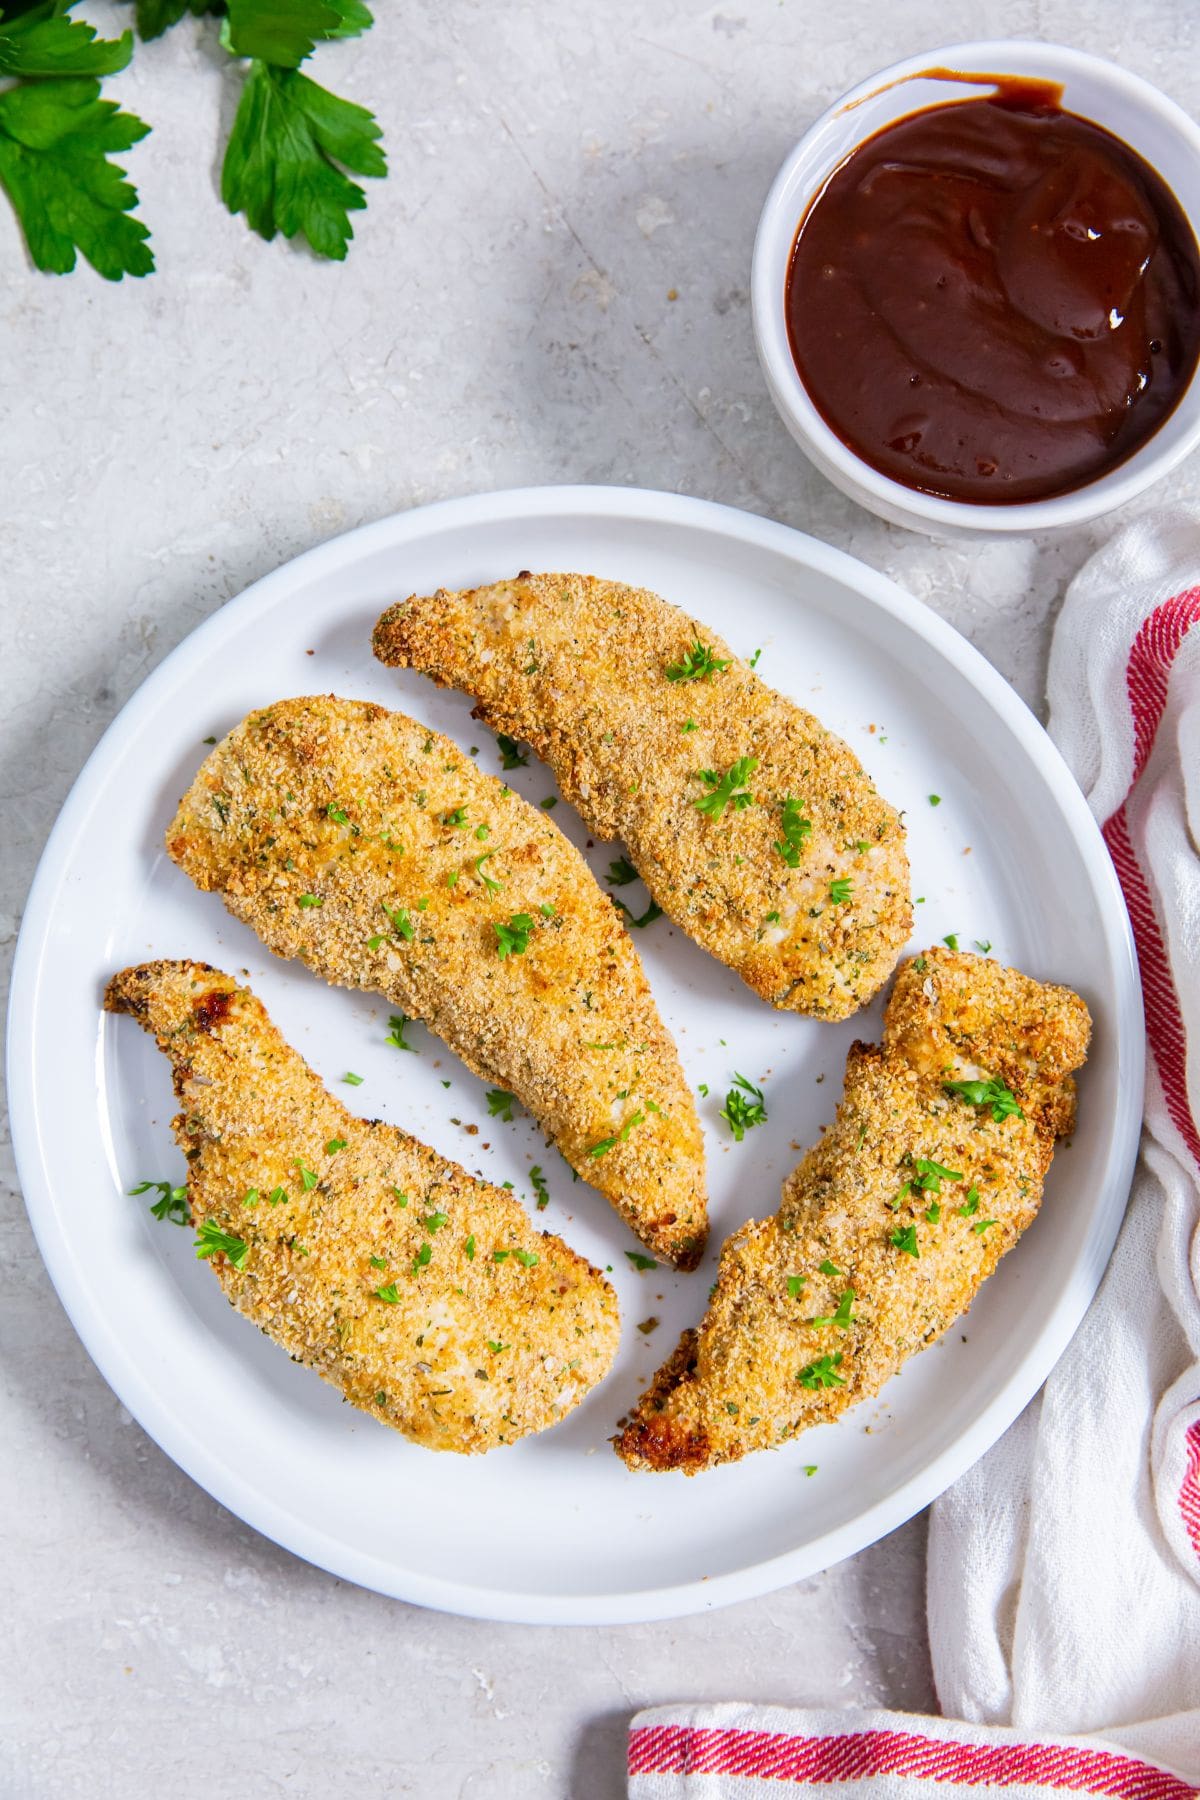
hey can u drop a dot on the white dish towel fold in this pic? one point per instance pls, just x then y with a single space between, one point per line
1064 1568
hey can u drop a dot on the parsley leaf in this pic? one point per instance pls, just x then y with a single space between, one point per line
905 1238
839 890
398 1025
822 1373
639 1261
620 872
44 42
281 163
652 912
493 887
794 1285
795 828
172 1202
843 1318
284 32
388 1294
539 1187
1001 1099
499 1105
727 788
740 1114
513 939
620 1137
510 752
55 141
211 1241
696 664
154 16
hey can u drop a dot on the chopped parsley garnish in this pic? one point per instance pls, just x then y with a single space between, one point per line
772 918
379 1262
652 912
539 1187
983 945
727 789
905 1238
951 940
398 1024
641 1262
546 911
983 1225
277 1197
754 659
970 1204
421 1259
810 1468
334 1145
492 886
482 832
740 1114
527 1258
702 1089
828 1268
822 1373
795 828
510 752
839 890
456 818
794 1284
212 1241
308 1180
843 1318
549 803
495 1346
310 900
928 1179
500 1255
452 878
1001 1099
620 872
171 1203
935 799
388 1294
402 925
620 1137
251 1197
689 725
499 1105
401 1196
351 1079
933 1213
433 1222
469 1248
513 939
696 664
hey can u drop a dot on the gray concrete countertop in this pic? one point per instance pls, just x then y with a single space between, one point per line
552 285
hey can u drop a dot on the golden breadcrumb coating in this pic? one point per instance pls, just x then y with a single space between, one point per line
808 903
889 1224
424 1296
374 850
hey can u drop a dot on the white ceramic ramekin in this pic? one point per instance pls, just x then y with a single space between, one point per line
1125 105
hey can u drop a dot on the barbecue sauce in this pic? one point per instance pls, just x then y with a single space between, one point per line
995 300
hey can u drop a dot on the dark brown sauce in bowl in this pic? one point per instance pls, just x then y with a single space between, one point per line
994 300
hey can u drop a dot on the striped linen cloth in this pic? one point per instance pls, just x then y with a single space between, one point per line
1064 1569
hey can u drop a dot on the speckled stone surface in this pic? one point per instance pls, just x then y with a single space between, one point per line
505 317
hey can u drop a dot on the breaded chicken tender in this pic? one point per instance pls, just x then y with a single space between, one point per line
370 847
932 1170
754 828
424 1296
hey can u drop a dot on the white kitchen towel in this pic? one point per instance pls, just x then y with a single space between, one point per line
1064 1569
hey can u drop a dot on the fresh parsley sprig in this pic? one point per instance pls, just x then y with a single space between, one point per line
740 1114
995 1094
727 790
291 152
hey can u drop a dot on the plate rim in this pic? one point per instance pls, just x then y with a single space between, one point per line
221 1479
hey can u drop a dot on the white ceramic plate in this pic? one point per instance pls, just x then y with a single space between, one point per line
556 1528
